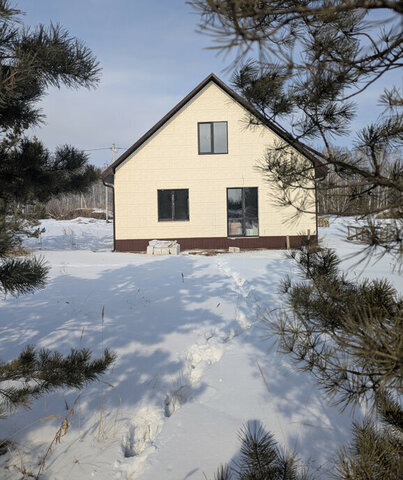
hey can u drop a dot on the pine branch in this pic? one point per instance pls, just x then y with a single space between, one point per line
20 276
260 458
348 335
35 373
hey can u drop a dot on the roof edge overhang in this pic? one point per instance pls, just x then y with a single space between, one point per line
312 155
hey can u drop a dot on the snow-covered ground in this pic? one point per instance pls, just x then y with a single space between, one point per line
193 361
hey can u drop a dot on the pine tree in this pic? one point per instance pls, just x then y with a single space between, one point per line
30 61
313 60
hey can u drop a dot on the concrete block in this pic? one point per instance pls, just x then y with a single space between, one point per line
175 249
169 249
234 249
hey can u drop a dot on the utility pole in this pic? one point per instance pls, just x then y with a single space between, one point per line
106 188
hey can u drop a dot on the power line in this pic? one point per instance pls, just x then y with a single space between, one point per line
103 148
93 149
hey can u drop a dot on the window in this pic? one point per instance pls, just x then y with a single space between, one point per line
242 212
173 204
213 137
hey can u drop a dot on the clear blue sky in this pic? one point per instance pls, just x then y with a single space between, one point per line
151 58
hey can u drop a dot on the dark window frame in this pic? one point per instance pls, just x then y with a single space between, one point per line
211 138
173 190
243 218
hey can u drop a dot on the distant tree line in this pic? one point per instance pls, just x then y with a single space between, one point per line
337 195
69 205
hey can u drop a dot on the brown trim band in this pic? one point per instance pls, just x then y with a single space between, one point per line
278 243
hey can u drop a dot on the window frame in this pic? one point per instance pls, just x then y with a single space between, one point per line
173 219
211 138
243 218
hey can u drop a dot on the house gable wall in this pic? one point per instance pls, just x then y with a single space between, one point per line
169 160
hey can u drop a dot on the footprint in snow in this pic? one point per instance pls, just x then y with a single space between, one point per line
142 431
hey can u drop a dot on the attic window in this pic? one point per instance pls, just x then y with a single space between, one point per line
213 137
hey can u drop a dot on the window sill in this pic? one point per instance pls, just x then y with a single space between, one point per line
174 221
209 153
242 236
